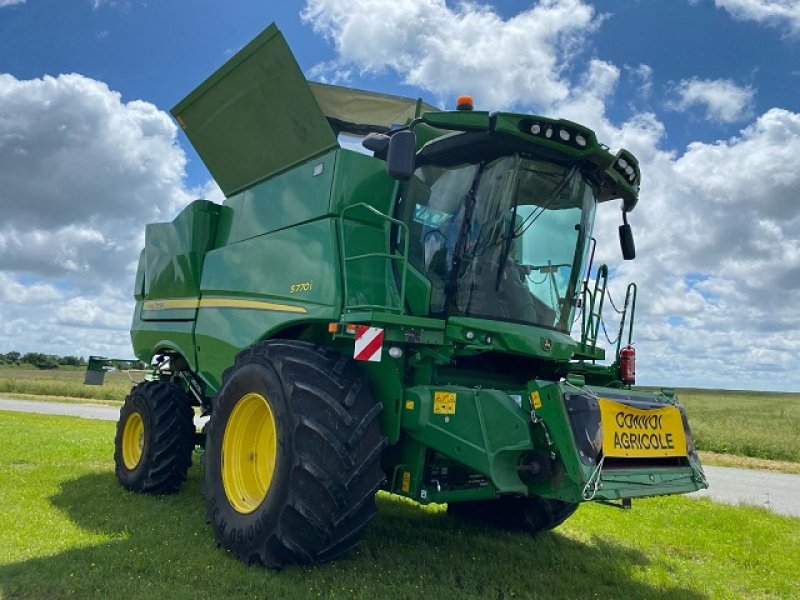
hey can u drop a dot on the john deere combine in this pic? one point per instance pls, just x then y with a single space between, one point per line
399 321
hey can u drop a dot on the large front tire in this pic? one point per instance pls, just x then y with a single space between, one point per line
292 460
155 438
533 515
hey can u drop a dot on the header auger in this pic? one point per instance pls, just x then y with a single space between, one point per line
397 322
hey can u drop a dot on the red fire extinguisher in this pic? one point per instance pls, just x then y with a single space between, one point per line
627 365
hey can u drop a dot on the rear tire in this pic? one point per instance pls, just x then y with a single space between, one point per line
155 438
534 514
292 460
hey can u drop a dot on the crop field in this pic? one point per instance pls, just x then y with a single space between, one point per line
68 530
758 424
62 383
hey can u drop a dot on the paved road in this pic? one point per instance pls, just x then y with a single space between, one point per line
779 492
86 411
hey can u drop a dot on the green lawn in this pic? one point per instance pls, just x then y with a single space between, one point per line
68 530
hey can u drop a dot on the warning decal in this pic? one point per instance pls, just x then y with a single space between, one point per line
444 403
633 432
369 343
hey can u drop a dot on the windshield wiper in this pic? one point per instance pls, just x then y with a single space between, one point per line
507 244
466 225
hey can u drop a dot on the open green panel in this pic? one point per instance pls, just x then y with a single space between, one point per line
254 116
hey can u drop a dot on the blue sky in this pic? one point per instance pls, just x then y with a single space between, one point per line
705 92
158 51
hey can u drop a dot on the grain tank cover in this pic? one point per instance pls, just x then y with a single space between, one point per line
360 112
255 116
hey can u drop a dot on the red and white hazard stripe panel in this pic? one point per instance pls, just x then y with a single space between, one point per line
369 343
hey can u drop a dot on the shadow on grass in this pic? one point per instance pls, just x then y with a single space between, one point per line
160 547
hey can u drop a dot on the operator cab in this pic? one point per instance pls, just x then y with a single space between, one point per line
500 237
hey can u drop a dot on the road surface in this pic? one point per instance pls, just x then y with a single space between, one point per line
86 411
778 492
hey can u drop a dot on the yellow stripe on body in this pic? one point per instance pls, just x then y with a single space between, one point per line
256 304
171 304
184 303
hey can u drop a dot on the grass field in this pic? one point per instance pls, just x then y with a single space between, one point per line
62 383
757 424
68 530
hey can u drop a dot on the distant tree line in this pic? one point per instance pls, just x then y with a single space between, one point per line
40 360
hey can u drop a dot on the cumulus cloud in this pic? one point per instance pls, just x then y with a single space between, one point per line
448 50
719 285
776 13
81 172
722 100
642 76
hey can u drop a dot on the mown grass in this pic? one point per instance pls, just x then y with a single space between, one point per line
62 382
68 530
757 424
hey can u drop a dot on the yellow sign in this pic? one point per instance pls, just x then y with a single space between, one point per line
406 485
444 403
632 432
536 400
409 405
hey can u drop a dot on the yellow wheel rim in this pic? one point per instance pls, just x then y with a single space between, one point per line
133 440
249 451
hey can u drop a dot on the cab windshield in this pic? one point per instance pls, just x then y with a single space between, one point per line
505 239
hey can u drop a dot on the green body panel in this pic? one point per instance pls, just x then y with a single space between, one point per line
306 279
462 120
138 285
295 196
255 116
487 431
243 269
151 336
308 244
512 338
174 252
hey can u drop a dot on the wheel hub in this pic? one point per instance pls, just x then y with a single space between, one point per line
133 440
249 451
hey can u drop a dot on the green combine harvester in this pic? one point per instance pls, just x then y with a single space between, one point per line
400 322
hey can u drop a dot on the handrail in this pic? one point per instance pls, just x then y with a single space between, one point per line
374 255
593 308
630 300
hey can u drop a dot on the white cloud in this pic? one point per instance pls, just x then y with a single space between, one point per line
718 275
81 172
10 2
722 100
467 48
642 75
777 13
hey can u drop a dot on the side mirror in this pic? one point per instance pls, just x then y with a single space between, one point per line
401 155
626 241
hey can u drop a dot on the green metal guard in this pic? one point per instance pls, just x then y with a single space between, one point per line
374 255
